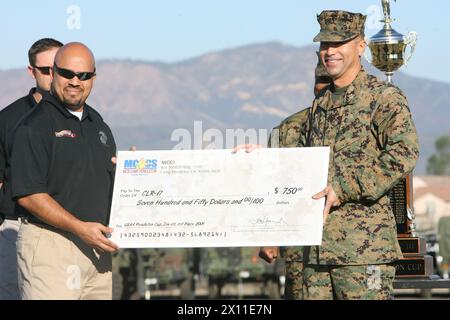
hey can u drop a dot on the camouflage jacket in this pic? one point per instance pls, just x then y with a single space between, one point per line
373 144
286 135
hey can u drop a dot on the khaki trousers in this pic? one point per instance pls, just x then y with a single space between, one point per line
54 265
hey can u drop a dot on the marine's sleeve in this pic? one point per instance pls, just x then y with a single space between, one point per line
30 161
396 135
287 133
304 129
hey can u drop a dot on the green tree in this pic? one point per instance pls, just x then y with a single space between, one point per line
439 163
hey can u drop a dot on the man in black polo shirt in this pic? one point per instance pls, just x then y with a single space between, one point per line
62 174
41 56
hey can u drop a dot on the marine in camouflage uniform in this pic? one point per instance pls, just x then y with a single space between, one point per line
287 135
373 143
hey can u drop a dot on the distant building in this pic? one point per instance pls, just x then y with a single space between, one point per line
431 200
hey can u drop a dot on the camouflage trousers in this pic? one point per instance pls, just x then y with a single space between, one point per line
293 289
365 282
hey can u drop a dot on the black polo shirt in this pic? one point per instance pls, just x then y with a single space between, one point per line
56 153
9 118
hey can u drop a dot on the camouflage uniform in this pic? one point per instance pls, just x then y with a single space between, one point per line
373 145
287 135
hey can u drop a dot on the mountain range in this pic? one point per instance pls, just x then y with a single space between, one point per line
253 86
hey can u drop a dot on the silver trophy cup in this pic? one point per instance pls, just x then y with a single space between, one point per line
388 47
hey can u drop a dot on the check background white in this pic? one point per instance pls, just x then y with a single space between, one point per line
213 198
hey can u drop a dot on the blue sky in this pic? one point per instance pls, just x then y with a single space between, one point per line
175 30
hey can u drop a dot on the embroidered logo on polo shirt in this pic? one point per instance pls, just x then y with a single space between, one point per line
65 133
103 137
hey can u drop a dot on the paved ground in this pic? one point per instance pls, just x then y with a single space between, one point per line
256 291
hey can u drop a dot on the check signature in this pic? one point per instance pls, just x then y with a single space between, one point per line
264 221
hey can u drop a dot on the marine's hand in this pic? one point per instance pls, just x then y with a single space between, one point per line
269 254
247 147
331 200
94 235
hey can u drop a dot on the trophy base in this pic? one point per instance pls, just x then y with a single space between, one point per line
412 246
414 267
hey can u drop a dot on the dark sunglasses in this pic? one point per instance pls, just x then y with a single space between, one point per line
69 74
43 70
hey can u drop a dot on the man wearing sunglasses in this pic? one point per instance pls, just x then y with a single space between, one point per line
41 56
62 173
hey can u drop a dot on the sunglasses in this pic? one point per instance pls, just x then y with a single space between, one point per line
43 70
69 74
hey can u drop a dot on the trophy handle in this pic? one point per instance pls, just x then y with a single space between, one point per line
412 217
411 40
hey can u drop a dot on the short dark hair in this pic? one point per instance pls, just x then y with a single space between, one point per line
41 46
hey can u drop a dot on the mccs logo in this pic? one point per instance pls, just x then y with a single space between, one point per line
140 166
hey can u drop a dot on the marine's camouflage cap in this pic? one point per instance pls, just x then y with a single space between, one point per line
339 26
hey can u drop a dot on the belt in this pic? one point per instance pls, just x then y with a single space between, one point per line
4 216
21 219
26 220
3 219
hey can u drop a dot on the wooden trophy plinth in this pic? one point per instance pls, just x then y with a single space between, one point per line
415 263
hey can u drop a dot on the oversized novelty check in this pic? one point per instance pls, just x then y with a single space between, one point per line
214 198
